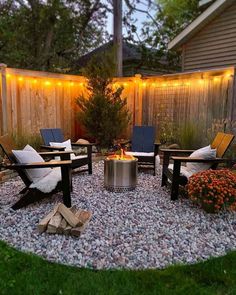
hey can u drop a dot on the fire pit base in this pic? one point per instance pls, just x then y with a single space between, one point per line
120 175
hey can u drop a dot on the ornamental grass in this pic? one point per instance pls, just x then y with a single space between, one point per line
213 190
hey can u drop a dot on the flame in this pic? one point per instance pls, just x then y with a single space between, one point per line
122 156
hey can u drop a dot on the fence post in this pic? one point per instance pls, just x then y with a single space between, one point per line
137 111
3 99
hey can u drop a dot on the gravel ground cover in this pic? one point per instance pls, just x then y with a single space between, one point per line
136 230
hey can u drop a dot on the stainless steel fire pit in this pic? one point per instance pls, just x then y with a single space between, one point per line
120 175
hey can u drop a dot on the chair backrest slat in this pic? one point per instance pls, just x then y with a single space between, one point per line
143 139
58 135
51 135
217 140
224 145
7 145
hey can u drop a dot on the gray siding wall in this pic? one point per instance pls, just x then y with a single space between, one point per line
215 45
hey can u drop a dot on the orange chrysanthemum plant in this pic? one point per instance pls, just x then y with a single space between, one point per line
213 190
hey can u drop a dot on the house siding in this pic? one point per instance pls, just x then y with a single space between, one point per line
214 46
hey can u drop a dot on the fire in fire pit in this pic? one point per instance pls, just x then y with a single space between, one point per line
120 172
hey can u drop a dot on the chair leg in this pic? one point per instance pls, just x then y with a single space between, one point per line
175 181
31 196
154 164
66 185
90 168
163 179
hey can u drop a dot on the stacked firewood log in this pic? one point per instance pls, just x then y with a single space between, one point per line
63 220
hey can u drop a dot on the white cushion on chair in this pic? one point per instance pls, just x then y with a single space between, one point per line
80 157
49 182
183 170
67 145
29 155
136 154
203 153
191 167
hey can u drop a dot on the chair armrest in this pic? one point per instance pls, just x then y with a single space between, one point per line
53 148
156 148
19 166
83 144
48 154
177 151
200 160
65 155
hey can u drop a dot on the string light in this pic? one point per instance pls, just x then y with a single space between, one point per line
59 83
35 81
144 84
81 84
47 83
20 79
164 84
71 83
125 84
216 79
8 75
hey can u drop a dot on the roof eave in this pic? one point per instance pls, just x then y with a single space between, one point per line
209 14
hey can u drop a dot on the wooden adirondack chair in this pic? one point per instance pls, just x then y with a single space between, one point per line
56 135
31 195
143 146
221 143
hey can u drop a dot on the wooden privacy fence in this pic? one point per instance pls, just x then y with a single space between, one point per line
31 100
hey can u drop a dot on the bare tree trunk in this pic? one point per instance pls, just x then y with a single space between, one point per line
117 33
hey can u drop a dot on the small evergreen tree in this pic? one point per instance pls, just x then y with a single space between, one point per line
103 113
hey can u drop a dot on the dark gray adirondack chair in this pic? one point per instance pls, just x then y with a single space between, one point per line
56 135
31 195
221 143
143 146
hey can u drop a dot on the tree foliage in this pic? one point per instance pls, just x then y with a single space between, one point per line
49 35
104 114
169 18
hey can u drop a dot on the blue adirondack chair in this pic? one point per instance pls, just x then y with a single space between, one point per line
56 135
143 146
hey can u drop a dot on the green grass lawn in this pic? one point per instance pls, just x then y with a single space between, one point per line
28 274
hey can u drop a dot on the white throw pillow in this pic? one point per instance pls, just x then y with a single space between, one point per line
203 153
66 144
29 155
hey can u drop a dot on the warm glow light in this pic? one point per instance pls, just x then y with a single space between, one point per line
81 84
201 81
144 84
20 79
35 81
216 79
8 75
187 83
228 75
71 83
125 84
47 83
59 83
164 84
176 84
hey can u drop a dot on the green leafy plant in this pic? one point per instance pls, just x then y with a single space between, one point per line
190 136
22 140
103 112
213 190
